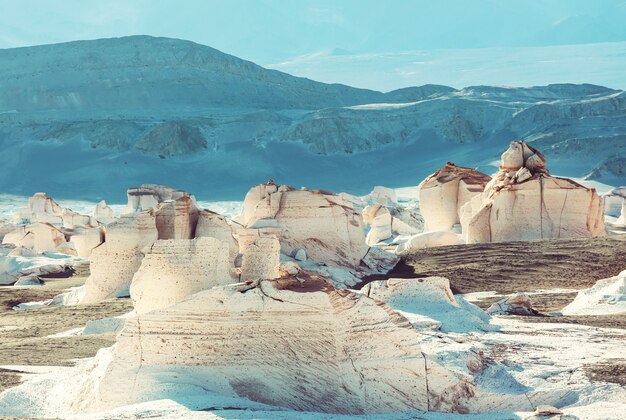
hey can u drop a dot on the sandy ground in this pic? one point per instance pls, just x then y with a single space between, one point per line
23 334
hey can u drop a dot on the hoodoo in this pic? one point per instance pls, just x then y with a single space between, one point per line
523 202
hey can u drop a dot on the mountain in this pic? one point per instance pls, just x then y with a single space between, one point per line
88 119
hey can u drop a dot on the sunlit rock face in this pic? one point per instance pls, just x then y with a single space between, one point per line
293 342
523 202
177 219
380 220
114 263
85 240
442 195
174 269
321 223
214 225
260 259
38 236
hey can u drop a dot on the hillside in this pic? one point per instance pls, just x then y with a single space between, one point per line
102 115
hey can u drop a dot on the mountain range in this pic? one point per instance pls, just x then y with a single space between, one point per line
88 119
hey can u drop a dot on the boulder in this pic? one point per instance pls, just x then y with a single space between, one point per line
443 193
38 236
174 269
516 304
104 214
114 263
286 343
514 208
19 263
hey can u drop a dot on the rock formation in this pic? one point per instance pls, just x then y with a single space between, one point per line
174 269
102 213
85 240
38 236
428 240
379 219
114 263
41 208
214 225
321 223
384 196
177 219
442 195
148 196
607 296
616 205
523 202
260 259
429 303
516 304
289 343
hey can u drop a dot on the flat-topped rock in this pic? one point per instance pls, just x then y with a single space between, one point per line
443 193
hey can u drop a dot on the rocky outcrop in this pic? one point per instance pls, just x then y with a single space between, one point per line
177 219
607 296
114 263
38 236
287 343
102 213
74 220
41 208
85 240
442 195
379 219
523 202
22 263
214 225
148 196
428 240
615 205
321 223
174 269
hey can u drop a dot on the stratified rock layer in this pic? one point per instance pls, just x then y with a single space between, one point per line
295 343
176 268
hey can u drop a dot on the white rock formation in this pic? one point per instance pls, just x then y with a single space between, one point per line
174 269
321 223
74 220
287 343
177 219
38 236
18 263
214 225
383 196
114 263
260 259
148 196
516 208
379 219
516 304
41 208
615 201
104 214
428 240
607 296
442 195
85 240
429 303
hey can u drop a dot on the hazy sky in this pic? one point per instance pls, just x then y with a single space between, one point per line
276 33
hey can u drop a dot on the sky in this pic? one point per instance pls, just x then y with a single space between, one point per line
331 40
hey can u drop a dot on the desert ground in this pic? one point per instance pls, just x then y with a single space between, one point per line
551 271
